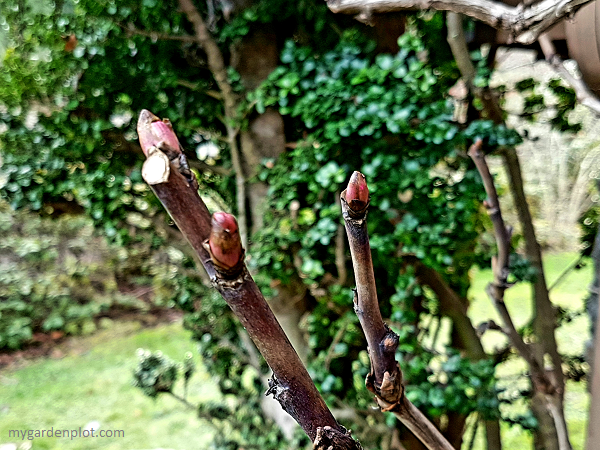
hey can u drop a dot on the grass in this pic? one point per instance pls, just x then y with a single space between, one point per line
92 382
89 379
571 339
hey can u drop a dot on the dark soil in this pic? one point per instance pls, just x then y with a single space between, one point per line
45 344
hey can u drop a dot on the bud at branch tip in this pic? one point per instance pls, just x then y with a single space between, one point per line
154 132
357 192
224 242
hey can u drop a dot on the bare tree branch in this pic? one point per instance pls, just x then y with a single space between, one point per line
131 30
500 267
584 95
545 321
543 386
203 167
560 278
458 45
216 64
524 22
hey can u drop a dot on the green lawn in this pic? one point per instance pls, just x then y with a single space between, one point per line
90 379
92 382
570 294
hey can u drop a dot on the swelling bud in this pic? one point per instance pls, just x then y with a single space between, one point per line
154 132
357 192
224 242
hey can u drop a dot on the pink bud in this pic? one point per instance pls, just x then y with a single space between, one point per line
163 130
357 192
152 131
224 241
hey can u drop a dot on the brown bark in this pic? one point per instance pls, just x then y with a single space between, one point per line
385 377
593 433
291 384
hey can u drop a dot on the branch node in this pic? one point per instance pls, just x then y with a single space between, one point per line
390 342
391 391
284 396
329 438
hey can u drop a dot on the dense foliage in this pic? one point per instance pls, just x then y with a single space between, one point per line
388 117
54 276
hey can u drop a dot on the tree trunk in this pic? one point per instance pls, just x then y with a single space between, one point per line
464 334
593 435
593 350
546 437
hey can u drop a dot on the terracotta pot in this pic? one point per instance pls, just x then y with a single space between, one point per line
583 42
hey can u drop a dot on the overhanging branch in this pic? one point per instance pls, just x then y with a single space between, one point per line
525 23
584 95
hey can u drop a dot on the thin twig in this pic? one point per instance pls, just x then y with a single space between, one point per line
203 167
183 400
436 334
574 265
474 434
336 340
583 93
496 289
155 35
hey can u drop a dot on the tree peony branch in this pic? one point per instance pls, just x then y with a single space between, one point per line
218 246
385 377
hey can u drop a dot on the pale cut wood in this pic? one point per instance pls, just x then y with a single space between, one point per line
525 23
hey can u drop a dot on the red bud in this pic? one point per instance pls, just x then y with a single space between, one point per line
357 192
152 131
224 241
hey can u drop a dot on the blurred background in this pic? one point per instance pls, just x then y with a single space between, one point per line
106 322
